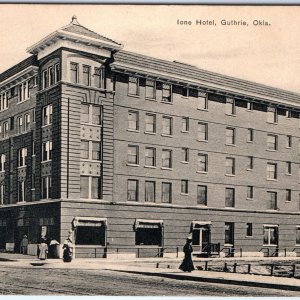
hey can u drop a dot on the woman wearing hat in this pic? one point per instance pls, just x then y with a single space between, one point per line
187 263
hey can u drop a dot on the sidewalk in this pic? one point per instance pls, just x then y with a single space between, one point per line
147 267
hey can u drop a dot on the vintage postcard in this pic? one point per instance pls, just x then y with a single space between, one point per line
149 150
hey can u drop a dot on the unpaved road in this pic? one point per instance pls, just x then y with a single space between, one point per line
45 281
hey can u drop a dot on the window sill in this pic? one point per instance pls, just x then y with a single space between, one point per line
230 115
168 169
132 165
270 179
150 99
228 245
166 102
271 150
249 236
274 123
184 162
167 135
249 169
203 109
46 161
203 141
184 194
133 95
230 175
46 125
20 102
266 245
184 131
231 145
83 123
88 160
20 167
288 174
133 130
201 172
250 199
149 132
251 142
288 201
150 167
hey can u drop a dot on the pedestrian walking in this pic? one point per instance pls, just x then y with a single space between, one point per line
68 250
43 250
187 263
24 245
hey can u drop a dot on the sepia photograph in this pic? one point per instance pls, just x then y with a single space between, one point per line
149 150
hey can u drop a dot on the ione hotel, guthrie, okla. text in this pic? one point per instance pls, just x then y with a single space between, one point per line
223 22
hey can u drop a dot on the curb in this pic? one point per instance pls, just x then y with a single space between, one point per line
217 280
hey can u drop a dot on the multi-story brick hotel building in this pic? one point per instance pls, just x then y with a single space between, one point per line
134 153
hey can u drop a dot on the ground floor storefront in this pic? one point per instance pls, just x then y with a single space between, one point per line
124 230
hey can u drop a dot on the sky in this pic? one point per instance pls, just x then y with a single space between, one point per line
267 54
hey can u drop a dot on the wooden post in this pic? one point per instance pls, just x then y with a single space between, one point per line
293 270
225 267
272 270
234 267
95 252
157 264
284 252
177 251
249 268
138 252
206 266
241 252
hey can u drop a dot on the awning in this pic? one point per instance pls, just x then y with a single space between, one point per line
89 221
200 223
142 223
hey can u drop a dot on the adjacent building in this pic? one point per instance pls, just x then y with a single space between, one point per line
133 154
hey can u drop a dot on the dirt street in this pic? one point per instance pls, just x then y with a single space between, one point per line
45 281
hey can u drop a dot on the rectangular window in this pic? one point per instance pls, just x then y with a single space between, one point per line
150 157
229 233
84 149
2 193
133 120
230 166
96 114
133 157
288 141
202 101
51 76
2 162
5 129
150 89
166 93
149 234
185 124
167 159
184 186
249 192
202 195
288 168
298 235
271 171
166 192
133 85
250 163
19 124
249 229
96 151
132 190
57 73
272 142
74 72
99 77
150 123
21 191
167 126
230 136
150 191
270 235
47 151
230 106
272 200
45 79
202 131
229 197
84 113
250 135
184 155
24 91
22 154
288 195
27 122
91 234
46 187
95 188
86 75
84 187
202 163
272 115
47 115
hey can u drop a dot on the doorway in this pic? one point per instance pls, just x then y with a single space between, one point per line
201 238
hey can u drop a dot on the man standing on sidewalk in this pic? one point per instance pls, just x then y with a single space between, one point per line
24 245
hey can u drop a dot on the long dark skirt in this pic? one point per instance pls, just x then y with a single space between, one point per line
187 264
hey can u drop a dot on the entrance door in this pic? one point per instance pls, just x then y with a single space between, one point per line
201 238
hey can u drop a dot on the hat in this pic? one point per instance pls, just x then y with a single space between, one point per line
189 237
25 236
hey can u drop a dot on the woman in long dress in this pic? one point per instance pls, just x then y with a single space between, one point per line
43 250
187 263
